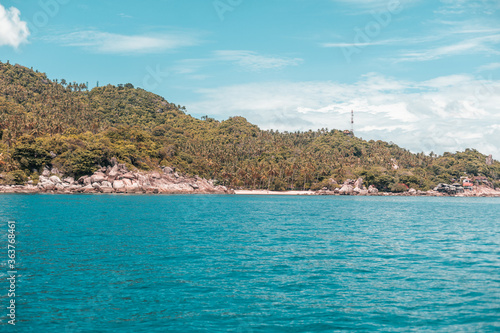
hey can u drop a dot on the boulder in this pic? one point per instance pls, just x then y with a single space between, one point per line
85 180
31 189
69 180
43 179
412 191
349 182
133 189
372 189
55 179
332 182
168 170
489 160
106 189
359 183
113 172
48 186
151 189
98 177
127 182
224 189
106 184
128 175
88 189
60 187
46 172
55 171
356 190
176 188
143 180
346 190
85 188
118 184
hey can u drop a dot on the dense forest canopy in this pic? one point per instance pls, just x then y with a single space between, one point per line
62 124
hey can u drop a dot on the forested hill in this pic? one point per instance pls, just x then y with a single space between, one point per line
59 124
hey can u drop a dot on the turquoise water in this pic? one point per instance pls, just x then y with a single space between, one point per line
254 263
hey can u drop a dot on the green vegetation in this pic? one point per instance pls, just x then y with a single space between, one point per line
63 125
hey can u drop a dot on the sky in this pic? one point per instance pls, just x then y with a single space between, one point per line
423 74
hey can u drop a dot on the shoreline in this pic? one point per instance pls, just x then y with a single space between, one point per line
117 179
31 189
477 192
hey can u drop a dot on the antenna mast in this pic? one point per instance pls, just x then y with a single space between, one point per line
352 122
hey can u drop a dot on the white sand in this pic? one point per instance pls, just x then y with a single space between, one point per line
264 192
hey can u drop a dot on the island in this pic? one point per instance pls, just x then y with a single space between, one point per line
62 137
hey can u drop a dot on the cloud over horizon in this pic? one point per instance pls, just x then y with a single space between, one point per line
13 31
448 113
111 43
253 61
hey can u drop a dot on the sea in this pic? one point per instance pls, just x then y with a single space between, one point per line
231 263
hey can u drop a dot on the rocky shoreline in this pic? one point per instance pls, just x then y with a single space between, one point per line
480 191
118 179
356 188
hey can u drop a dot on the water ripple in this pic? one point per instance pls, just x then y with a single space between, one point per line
256 264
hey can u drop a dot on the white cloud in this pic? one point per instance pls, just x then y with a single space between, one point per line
247 60
253 61
489 67
126 16
484 45
13 31
444 114
104 42
376 5
468 7
373 43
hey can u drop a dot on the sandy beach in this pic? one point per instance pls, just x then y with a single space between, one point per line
265 192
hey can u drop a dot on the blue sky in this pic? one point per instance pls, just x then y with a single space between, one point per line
423 74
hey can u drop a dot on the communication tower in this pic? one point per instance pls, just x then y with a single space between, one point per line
352 122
